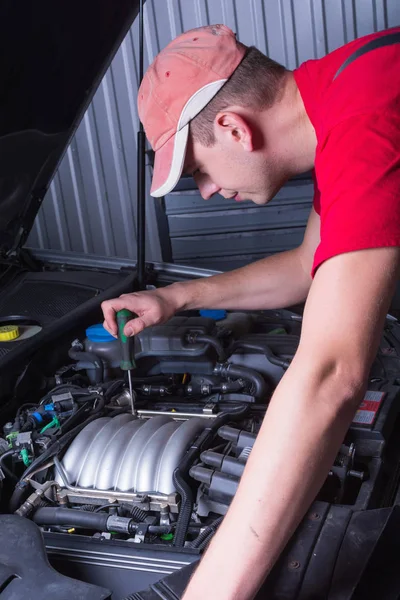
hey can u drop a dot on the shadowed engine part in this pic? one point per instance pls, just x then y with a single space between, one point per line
128 454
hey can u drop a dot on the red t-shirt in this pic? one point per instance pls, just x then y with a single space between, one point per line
357 162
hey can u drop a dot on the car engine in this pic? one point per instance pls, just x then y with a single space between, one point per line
80 456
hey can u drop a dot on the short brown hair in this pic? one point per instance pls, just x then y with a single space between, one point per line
254 84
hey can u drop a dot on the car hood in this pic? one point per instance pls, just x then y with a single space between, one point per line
53 56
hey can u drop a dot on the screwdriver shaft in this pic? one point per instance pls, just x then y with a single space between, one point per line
131 392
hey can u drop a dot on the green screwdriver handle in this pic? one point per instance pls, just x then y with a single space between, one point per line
126 343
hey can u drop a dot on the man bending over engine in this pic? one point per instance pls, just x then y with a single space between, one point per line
242 125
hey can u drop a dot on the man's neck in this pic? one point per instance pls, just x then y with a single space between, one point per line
289 130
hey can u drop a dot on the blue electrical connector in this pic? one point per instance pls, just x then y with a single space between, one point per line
216 314
38 417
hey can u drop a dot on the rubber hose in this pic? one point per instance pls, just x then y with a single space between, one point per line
159 529
4 467
204 535
259 387
78 412
138 514
185 513
273 359
83 408
87 507
182 471
19 494
43 503
112 388
71 517
206 540
90 357
194 338
76 415
91 397
101 401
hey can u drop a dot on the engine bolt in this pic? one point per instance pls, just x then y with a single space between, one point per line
294 564
315 516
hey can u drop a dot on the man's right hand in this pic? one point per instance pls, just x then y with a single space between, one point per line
152 307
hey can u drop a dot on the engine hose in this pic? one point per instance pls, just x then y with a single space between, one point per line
90 520
182 471
205 535
185 513
112 388
87 507
4 467
77 413
43 503
138 514
19 494
273 359
82 410
100 403
259 387
206 540
195 338
69 516
89 398
80 355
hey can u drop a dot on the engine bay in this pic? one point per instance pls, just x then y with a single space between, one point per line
80 457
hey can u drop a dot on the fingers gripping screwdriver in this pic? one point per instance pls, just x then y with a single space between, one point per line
127 349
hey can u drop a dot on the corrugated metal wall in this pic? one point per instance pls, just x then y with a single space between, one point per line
90 208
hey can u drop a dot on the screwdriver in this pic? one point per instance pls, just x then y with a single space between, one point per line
127 349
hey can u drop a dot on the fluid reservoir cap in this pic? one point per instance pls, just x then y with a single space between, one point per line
216 314
9 332
97 333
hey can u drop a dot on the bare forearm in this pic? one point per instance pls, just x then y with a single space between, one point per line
274 282
287 467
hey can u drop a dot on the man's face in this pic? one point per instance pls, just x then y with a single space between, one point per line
229 170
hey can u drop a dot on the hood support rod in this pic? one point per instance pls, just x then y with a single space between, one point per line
141 174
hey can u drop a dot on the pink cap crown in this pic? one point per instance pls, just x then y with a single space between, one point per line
180 82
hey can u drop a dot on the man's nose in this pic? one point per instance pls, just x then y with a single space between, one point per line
206 187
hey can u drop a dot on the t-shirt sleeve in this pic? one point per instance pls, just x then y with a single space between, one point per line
358 178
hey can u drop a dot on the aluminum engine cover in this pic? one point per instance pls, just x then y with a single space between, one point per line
129 454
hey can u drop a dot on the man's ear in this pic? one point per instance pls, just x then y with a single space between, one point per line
230 127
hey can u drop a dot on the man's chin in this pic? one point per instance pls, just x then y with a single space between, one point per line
260 200
245 197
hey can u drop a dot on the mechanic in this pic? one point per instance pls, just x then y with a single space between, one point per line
242 125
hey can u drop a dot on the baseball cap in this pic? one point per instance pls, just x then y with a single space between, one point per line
180 82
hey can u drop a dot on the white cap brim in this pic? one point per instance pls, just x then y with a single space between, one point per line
170 158
168 163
